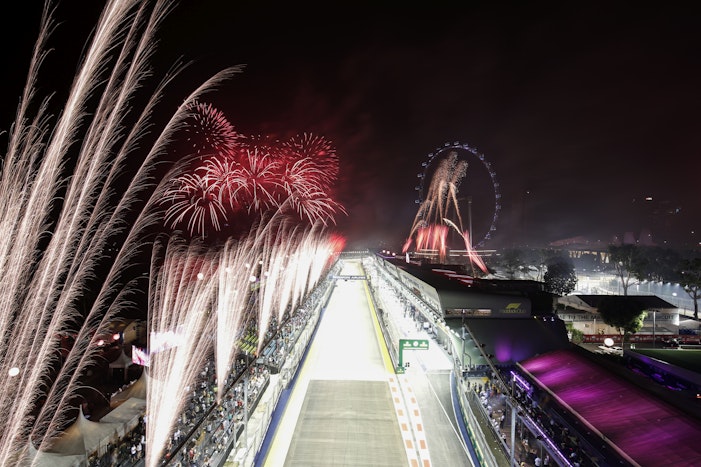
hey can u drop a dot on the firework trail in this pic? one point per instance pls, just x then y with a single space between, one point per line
275 245
54 285
51 264
321 250
233 294
284 260
287 258
475 259
181 303
44 277
207 296
441 201
287 280
440 212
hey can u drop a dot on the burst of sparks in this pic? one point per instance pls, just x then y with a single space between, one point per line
195 199
440 211
49 264
257 176
208 131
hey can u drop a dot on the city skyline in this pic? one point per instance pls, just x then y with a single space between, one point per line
582 111
84 209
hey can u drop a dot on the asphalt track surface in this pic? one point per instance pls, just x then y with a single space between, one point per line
346 405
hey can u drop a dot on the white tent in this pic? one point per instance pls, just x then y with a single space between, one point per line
98 435
136 389
127 414
50 459
80 439
122 362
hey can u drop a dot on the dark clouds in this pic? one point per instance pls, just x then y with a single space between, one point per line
581 109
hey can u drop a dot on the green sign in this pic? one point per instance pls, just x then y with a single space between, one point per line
413 344
409 344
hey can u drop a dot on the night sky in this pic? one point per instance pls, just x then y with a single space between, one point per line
582 110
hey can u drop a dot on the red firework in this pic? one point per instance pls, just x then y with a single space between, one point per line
264 144
337 243
242 178
254 182
302 176
193 200
208 131
318 150
223 172
315 206
432 237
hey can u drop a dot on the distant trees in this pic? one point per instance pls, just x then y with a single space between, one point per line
624 259
651 263
528 263
623 313
512 262
632 264
654 263
560 277
538 260
690 278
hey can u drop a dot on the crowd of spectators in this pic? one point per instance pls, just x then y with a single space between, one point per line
123 451
202 402
281 342
210 436
550 428
206 427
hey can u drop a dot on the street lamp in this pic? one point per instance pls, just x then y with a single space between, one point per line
464 352
245 408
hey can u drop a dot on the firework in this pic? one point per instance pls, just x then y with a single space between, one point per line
315 206
182 306
300 176
58 277
233 293
50 265
201 293
207 131
257 177
318 150
256 187
194 198
440 208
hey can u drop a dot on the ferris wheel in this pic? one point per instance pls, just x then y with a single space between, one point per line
476 197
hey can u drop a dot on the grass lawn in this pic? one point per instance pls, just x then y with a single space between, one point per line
689 359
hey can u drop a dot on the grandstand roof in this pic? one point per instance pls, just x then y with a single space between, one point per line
647 429
648 301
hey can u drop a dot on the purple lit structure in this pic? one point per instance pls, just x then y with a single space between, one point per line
646 430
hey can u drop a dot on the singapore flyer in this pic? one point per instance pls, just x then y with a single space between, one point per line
459 200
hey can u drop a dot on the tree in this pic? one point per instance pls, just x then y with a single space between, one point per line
560 277
536 261
690 279
623 313
512 261
626 260
577 336
654 263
